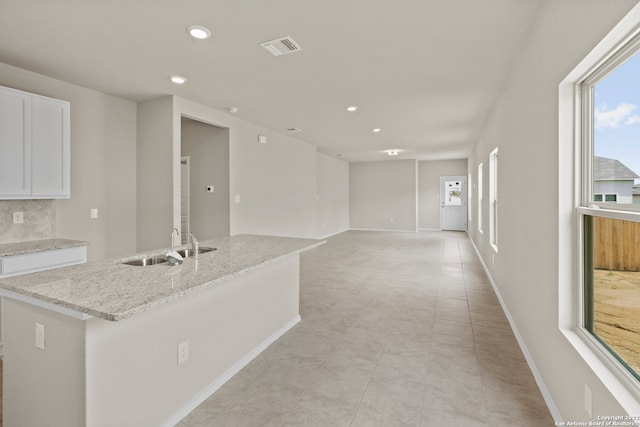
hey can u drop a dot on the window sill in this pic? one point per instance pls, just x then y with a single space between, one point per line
620 383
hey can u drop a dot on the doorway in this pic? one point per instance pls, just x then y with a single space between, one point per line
453 203
207 209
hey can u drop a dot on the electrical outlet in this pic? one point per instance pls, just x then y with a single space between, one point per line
40 336
183 352
18 218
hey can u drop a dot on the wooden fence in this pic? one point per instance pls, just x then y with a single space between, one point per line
616 244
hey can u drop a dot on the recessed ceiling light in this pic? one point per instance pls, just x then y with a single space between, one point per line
179 80
392 152
199 32
352 108
376 130
233 110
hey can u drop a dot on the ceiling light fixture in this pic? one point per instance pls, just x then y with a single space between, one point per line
352 108
199 32
293 130
233 110
376 130
179 80
392 152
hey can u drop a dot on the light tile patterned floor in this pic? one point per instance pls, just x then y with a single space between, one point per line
398 329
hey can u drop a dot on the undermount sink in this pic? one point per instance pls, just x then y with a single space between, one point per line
159 259
186 253
149 260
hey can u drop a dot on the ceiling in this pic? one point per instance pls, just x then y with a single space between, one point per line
427 72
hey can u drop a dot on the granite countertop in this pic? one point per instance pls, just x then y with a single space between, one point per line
114 291
21 248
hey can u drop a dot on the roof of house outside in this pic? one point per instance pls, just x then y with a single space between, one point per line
611 170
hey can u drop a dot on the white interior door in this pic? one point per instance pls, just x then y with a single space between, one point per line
453 203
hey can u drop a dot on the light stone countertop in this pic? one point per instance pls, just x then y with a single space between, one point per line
114 291
21 248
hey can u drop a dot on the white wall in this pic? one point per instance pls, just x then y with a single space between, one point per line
333 195
524 125
103 164
208 149
383 195
429 173
155 174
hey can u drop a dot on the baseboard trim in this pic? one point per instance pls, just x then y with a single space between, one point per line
228 374
546 395
383 229
333 234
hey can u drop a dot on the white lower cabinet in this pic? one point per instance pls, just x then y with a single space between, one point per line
39 261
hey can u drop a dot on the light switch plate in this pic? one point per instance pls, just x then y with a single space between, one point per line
94 213
18 218
183 352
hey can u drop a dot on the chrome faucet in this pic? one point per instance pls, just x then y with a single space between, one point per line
175 230
174 258
195 245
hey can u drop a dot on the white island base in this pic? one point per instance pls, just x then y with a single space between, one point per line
96 372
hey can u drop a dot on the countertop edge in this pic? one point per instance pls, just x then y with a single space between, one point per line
35 246
78 311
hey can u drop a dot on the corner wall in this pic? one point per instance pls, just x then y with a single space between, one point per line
524 125
333 195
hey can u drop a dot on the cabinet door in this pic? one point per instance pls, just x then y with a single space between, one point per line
15 147
49 148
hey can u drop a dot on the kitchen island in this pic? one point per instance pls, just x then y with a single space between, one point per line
129 345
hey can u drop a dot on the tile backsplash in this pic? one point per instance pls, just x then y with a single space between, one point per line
39 220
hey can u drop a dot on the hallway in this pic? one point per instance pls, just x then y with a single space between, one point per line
397 329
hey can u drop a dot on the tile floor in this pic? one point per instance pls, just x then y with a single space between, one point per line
398 329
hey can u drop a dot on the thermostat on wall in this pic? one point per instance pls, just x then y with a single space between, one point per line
262 139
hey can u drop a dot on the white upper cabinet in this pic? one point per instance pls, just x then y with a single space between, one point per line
15 151
34 146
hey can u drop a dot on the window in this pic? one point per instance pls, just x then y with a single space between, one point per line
610 231
480 197
470 186
493 199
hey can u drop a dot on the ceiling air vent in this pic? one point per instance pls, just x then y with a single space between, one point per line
281 46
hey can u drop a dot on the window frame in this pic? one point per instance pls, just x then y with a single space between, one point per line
493 199
469 199
480 197
576 120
